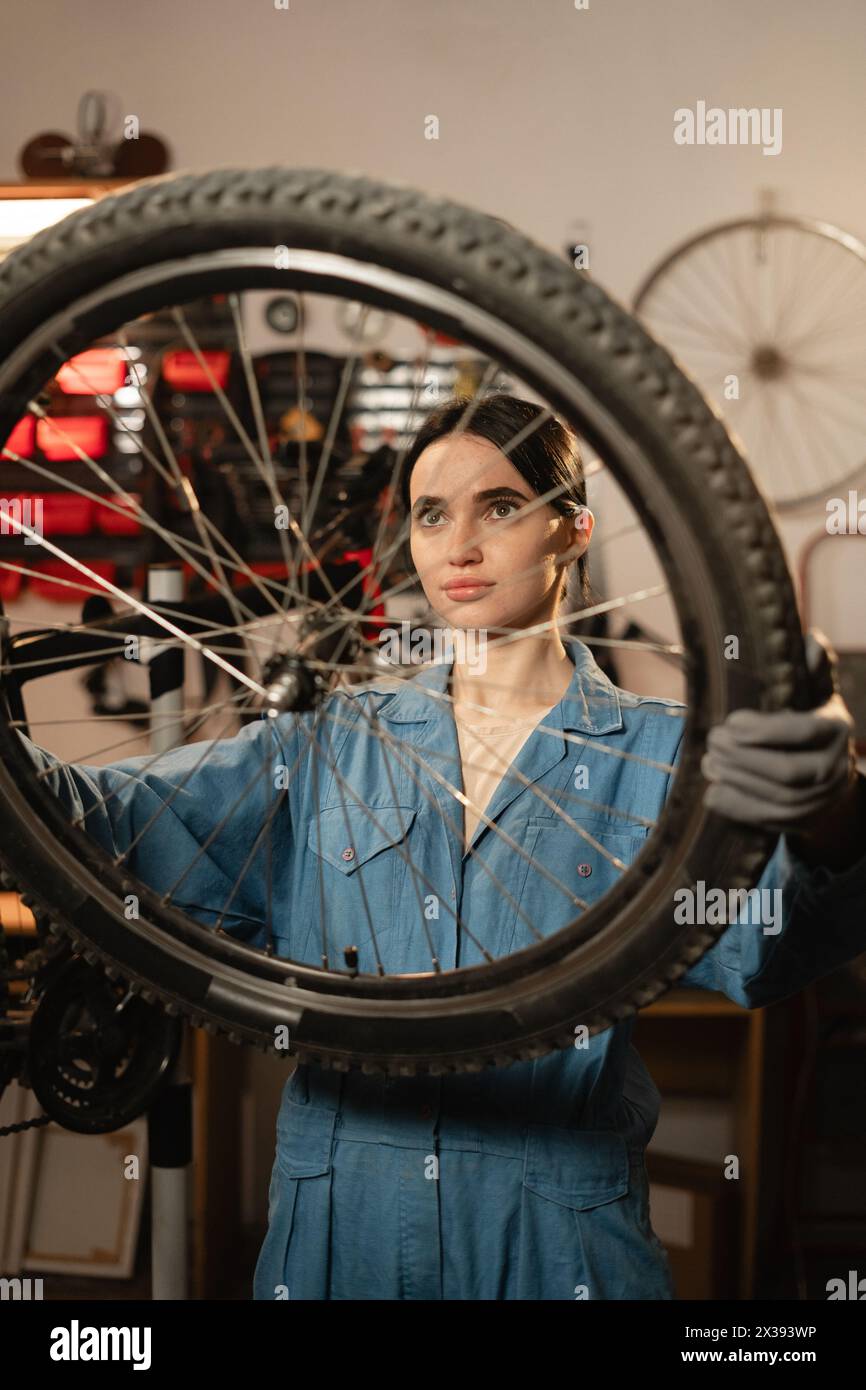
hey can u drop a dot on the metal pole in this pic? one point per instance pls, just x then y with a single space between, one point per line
170 1118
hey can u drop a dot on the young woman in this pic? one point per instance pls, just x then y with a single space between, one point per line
427 819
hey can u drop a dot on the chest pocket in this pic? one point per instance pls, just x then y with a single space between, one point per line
580 867
363 862
347 838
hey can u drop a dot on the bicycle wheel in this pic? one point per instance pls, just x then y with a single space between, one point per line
766 314
106 276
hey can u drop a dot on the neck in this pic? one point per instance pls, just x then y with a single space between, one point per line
520 677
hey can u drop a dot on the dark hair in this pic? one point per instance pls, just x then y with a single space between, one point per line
548 456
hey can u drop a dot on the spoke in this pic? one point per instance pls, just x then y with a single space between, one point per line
665 648
788 442
181 548
242 795
605 606
730 246
437 966
722 357
214 629
832 328
46 626
670 649
829 370
853 423
400 458
769 457
380 969
411 582
790 298
330 435
726 283
831 474
461 428
103 799
146 610
682 304
320 879
834 333
337 719
264 447
265 829
107 652
468 804
671 300
249 447
396 747
662 307
106 719
301 407
174 477
839 304
445 697
560 620
209 746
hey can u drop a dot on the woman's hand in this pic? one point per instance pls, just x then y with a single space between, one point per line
794 771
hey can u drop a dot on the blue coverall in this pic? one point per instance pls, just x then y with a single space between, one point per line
521 1182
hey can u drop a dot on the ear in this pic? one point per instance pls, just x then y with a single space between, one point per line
584 522
580 527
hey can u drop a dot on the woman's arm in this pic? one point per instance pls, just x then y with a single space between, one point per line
792 772
804 921
190 820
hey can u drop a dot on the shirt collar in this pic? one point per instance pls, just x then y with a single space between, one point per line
590 703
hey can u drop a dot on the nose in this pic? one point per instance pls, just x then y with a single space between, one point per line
464 547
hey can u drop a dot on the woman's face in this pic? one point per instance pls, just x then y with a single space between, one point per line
477 572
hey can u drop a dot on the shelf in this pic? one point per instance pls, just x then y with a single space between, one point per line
695 1003
64 188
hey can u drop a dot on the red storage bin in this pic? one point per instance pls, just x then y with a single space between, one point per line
10 584
62 593
273 569
23 505
182 371
67 514
63 513
89 432
97 372
112 523
370 588
23 437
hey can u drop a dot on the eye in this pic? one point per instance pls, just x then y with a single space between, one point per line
426 514
510 507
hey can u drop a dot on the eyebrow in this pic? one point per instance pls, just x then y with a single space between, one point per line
488 495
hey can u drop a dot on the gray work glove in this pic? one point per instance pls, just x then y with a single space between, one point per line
782 771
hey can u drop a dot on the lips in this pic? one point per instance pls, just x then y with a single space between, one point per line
466 588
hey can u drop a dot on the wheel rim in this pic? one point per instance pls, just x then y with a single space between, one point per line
495 990
731 300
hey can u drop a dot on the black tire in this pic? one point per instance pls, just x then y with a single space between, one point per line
729 576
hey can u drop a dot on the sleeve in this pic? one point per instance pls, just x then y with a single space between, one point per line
799 923
194 821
